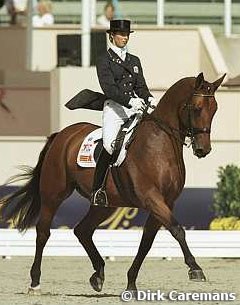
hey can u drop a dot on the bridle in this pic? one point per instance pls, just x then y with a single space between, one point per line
190 130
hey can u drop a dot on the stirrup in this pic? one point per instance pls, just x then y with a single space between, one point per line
99 198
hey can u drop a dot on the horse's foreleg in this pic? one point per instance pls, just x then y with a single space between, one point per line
195 273
162 212
149 232
84 232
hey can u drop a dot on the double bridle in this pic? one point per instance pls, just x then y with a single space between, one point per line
190 130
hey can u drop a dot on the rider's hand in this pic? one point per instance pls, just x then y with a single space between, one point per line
152 101
137 104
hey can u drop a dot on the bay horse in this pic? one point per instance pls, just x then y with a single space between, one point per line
151 177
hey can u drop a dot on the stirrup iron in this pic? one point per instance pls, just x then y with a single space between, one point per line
99 198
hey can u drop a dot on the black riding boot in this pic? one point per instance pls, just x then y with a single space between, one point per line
99 196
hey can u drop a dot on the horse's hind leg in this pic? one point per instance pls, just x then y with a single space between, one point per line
84 232
151 227
48 210
43 233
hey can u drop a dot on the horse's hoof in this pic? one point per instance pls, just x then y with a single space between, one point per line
133 293
96 282
34 290
196 275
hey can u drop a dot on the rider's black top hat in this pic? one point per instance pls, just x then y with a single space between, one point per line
119 26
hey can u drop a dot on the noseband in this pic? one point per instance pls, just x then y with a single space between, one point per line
190 130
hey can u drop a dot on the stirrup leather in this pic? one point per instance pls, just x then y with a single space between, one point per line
99 198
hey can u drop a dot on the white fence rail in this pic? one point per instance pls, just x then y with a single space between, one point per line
122 243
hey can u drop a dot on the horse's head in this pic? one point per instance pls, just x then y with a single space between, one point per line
197 114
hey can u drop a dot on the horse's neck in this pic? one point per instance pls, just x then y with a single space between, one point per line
168 107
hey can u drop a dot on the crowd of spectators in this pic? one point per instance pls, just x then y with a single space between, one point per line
18 9
42 12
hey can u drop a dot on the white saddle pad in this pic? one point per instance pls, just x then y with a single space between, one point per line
85 156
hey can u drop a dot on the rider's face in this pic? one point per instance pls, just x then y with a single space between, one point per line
120 39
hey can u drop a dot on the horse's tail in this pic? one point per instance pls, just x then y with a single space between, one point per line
24 205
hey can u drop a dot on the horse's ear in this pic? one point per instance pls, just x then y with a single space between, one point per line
218 82
199 81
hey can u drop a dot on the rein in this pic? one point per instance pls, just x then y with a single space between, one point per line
171 131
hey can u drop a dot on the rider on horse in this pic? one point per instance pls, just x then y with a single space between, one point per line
121 78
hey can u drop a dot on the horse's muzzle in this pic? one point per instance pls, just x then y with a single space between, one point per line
200 152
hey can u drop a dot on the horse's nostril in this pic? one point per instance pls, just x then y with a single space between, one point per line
199 152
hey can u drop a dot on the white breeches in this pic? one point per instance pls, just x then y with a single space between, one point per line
114 115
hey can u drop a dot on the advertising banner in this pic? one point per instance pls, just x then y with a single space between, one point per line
192 210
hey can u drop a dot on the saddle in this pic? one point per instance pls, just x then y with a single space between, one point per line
92 144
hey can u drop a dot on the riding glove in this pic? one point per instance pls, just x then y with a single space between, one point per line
137 104
153 104
152 101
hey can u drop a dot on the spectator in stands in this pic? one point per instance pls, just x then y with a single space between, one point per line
109 12
44 16
11 11
15 8
18 8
